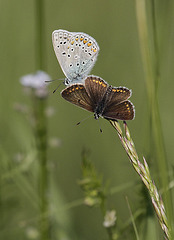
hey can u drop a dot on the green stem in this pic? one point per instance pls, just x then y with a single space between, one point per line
41 141
41 126
144 172
40 35
151 65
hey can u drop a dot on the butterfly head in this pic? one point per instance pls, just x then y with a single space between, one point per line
66 82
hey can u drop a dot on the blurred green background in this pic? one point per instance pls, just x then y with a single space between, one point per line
114 26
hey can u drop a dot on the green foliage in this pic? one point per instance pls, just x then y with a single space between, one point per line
39 194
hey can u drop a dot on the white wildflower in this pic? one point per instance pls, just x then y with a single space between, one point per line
110 219
32 233
36 80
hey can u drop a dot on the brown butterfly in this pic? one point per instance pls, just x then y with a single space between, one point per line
105 101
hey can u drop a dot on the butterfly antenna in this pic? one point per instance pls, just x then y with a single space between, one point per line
83 120
99 125
57 87
53 80
48 81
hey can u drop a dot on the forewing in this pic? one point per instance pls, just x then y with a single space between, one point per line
96 88
60 39
122 111
76 94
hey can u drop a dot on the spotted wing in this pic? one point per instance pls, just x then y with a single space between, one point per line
76 94
60 40
117 95
76 53
117 105
121 111
96 88
84 50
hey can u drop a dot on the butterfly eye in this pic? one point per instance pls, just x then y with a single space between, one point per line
66 82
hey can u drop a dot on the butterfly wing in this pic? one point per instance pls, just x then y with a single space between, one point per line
117 105
117 95
96 88
60 40
85 52
76 53
76 94
121 111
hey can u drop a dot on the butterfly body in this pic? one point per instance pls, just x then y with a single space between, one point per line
76 53
99 110
103 100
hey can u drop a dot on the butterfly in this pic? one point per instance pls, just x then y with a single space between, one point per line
96 96
76 53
